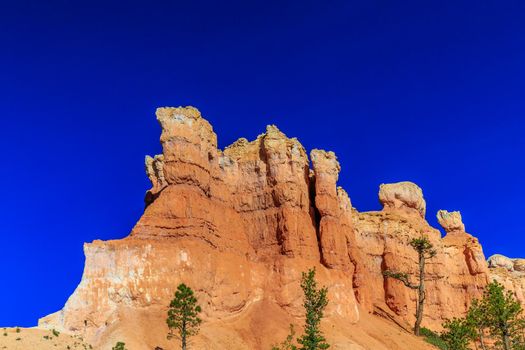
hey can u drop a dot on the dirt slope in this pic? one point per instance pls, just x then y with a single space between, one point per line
39 339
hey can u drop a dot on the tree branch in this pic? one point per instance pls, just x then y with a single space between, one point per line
403 277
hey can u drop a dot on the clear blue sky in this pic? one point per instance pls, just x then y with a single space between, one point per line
426 91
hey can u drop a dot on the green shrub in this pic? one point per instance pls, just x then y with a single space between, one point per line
119 346
458 333
55 332
433 338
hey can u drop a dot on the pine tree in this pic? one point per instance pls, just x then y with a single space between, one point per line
315 301
477 319
425 250
503 314
183 315
458 333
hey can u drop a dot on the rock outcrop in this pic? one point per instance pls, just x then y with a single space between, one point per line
455 276
239 226
402 197
451 222
510 273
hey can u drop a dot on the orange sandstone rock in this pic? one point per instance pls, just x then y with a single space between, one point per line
239 226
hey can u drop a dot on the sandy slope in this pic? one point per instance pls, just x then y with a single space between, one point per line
38 339
370 333
145 331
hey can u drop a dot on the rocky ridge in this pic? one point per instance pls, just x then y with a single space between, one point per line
240 225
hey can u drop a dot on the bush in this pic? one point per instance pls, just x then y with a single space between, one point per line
458 333
119 346
433 338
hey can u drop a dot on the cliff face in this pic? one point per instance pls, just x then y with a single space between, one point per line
240 225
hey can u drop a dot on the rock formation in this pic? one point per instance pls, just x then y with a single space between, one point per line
404 197
510 273
451 222
239 226
455 276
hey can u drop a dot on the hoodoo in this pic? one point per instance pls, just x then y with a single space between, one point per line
239 226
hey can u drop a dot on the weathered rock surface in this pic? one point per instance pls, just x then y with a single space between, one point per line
451 222
498 260
510 273
455 276
240 225
402 197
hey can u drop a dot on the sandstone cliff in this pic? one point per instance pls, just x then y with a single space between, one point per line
239 225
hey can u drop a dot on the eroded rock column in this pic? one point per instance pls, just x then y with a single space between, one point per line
333 226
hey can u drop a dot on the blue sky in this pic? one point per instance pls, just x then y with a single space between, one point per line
431 92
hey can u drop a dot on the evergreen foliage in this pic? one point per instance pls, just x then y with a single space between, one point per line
458 334
183 320
119 346
477 319
433 338
494 322
315 301
503 315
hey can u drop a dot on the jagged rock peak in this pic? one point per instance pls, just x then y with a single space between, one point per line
272 131
325 162
271 140
344 200
450 221
179 113
155 171
405 196
185 123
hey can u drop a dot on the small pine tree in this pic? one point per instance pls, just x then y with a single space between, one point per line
477 319
503 314
119 346
425 250
458 333
315 301
183 315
